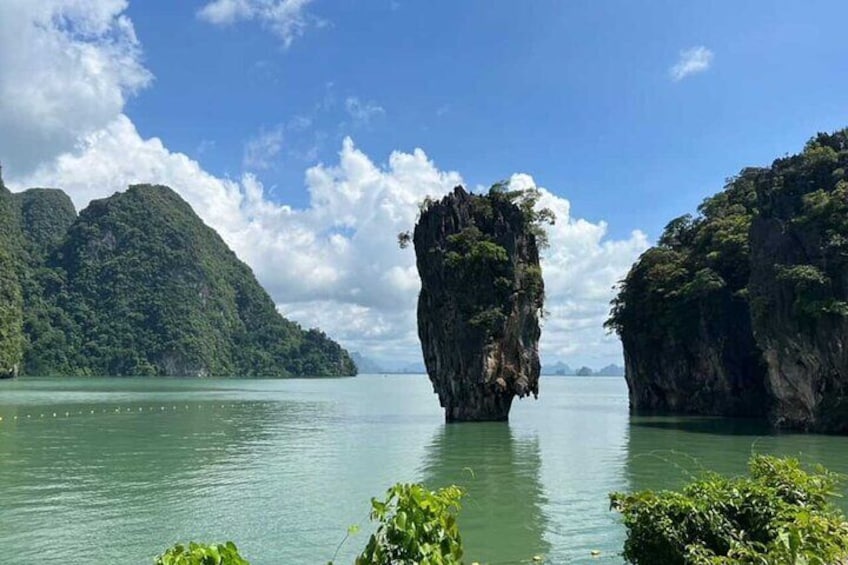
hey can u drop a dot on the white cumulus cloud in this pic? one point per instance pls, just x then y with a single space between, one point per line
333 263
692 61
67 67
287 19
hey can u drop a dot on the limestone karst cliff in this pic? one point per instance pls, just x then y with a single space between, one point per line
481 295
799 284
743 310
137 284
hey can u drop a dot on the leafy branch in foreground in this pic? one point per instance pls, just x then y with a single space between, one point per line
201 554
779 514
416 526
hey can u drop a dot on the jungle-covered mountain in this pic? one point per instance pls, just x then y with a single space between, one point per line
743 309
137 284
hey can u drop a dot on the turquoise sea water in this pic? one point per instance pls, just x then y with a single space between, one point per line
115 470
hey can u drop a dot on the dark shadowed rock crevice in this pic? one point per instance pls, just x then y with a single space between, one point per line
478 310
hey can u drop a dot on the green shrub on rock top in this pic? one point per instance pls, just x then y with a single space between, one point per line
779 514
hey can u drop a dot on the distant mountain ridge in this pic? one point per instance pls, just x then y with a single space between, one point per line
137 284
562 369
368 365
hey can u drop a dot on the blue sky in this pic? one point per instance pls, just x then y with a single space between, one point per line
293 128
576 93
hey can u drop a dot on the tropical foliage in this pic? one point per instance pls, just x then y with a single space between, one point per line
715 273
201 554
138 285
416 525
478 253
779 514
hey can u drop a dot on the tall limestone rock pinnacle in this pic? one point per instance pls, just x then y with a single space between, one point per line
481 295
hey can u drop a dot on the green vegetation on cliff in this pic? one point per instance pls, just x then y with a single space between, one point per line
752 293
138 285
11 300
481 295
31 223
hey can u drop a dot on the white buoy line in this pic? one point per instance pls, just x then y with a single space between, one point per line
117 410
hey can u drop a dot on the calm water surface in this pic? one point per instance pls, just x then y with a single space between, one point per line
113 471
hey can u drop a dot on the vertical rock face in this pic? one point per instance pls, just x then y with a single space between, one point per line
744 310
711 368
481 293
799 285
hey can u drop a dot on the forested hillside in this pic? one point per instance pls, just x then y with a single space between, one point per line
138 285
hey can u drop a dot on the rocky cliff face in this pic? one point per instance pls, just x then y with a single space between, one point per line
481 293
711 367
744 309
799 285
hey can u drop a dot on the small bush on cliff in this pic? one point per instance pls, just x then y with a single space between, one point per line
201 554
527 200
779 514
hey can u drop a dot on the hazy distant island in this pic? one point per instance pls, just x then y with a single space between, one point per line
367 365
743 309
561 369
137 284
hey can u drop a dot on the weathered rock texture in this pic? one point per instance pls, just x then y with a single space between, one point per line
481 293
716 344
744 310
799 285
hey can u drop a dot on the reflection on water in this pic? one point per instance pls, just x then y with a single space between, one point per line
502 520
284 467
666 452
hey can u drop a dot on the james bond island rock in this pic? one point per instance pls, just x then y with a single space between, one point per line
137 284
743 310
481 295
